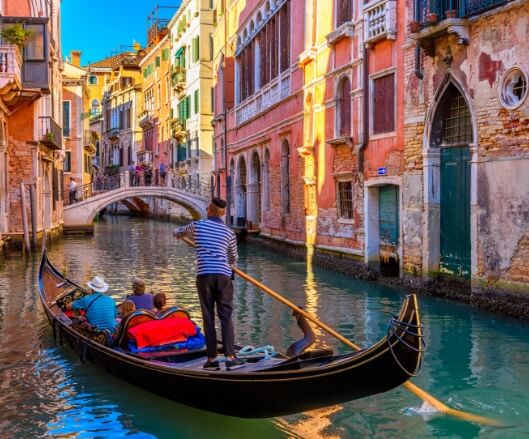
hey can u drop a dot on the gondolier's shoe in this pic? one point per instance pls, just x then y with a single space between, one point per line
234 363
211 365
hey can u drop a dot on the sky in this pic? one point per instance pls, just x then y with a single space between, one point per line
99 27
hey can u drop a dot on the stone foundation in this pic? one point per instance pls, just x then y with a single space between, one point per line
494 300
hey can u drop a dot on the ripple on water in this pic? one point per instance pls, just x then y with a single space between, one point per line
474 361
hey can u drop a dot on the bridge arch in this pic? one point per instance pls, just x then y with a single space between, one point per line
82 214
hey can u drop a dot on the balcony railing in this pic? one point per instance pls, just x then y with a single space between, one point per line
380 20
264 98
10 65
50 132
446 9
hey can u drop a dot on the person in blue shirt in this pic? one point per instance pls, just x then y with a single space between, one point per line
139 297
100 310
216 249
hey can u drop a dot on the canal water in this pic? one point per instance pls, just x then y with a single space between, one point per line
475 361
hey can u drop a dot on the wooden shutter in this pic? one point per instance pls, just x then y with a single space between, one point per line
343 12
195 106
284 16
384 104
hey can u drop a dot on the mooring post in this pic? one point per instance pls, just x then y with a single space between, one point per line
24 216
33 210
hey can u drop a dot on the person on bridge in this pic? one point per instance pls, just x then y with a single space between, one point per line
73 190
132 174
138 296
163 173
216 249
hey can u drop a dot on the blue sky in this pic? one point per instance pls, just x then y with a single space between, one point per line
99 27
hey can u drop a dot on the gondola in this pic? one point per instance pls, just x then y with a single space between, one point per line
267 386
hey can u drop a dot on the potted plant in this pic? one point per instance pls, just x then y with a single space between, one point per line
16 34
414 26
49 136
432 18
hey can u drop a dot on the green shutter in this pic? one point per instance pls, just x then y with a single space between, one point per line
196 102
145 72
196 49
187 107
158 61
165 54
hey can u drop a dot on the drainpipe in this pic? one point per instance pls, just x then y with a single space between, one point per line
418 71
225 134
365 94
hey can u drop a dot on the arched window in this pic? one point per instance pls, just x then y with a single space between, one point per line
343 108
95 106
285 178
92 80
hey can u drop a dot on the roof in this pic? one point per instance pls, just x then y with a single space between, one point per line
113 61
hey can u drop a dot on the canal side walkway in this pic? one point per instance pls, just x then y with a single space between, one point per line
495 301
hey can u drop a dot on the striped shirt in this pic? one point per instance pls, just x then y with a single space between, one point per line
216 246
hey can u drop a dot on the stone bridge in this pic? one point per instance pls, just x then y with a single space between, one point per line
88 200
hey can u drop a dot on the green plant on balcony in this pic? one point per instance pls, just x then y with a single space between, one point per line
17 35
49 137
112 169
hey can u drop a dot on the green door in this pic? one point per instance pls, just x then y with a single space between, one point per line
388 208
455 211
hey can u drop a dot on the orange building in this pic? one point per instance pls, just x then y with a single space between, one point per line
31 145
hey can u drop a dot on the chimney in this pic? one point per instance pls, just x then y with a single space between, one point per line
75 55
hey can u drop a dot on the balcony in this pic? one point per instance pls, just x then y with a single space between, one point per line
438 18
380 20
10 67
113 133
50 132
146 119
89 140
178 80
270 94
178 129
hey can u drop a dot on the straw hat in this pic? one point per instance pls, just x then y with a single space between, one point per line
98 284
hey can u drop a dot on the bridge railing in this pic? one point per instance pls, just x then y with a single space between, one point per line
190 184
81 193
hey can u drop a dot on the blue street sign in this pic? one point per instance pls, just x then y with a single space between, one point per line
382 171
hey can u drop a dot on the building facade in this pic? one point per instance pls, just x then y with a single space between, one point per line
466 154
31 143
121 101
192 81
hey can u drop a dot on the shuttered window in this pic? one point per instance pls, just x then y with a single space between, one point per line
384 104
345 199
343 11
195 103
158 61
66 118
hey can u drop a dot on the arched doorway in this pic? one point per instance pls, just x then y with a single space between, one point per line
254 191
240 193
449 159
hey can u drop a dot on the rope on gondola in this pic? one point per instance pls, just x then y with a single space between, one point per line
251 351
396 324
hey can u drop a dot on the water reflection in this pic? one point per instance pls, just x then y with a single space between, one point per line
474 361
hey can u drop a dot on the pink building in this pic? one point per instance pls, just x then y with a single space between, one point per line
308 159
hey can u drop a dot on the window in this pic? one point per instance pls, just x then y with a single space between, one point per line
67 161
66 118
157 61
195 104
195 49
165 54
210 47
92 80
285 178
343 12
34 49
457 127
212 97
513 88
345 199
384 104
343 108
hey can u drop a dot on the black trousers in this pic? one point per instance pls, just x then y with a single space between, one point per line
217 290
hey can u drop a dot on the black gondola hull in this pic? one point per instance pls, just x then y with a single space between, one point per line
327 381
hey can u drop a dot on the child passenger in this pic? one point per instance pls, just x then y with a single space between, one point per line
127 307
159 302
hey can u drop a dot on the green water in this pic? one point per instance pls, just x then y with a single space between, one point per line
475 361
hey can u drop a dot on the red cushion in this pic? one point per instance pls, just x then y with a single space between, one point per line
71 313
161 332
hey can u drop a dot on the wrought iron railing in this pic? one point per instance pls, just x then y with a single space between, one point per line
146 178
50 132
456 8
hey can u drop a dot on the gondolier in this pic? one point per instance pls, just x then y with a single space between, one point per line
216 248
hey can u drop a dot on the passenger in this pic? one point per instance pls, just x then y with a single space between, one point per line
100 310
126 308
140 299
159 302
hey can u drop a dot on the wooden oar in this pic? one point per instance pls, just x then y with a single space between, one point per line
417 391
